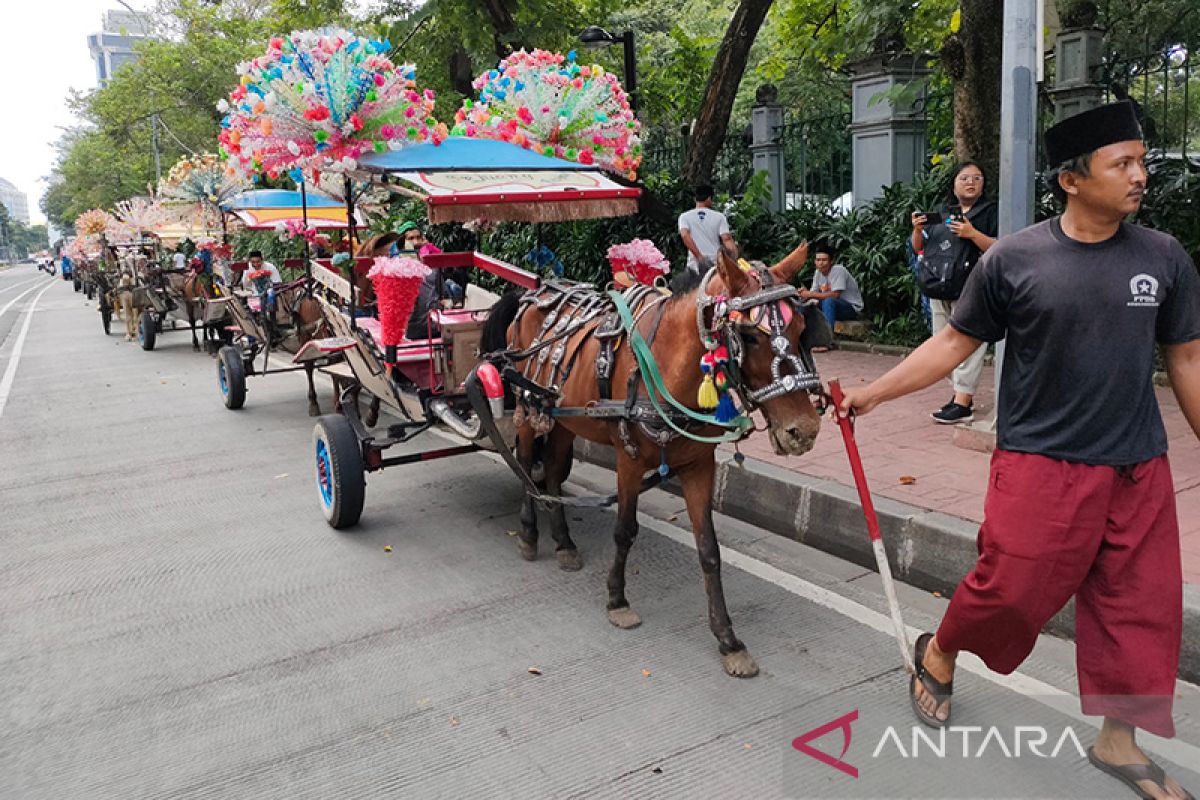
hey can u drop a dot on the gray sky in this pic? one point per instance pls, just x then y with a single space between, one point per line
43 55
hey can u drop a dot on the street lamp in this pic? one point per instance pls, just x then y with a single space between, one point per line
595 36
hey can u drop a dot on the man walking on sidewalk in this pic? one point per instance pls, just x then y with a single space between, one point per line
1080 499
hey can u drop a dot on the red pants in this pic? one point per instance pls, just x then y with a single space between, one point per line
1109 536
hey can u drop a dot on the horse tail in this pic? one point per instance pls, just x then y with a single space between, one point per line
495 328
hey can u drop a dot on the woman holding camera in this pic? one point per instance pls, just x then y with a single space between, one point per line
965 227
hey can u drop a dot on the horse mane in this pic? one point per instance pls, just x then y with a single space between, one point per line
501 315
683 284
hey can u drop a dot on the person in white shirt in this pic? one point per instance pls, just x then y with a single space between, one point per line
179 260
257 263
703 230
836 290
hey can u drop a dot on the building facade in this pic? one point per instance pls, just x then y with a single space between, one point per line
15 200
112 47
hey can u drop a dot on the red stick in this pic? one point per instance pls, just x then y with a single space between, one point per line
864 496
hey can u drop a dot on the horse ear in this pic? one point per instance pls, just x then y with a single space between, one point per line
732 276
791 264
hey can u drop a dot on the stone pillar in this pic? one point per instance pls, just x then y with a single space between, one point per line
766 121
888 140
1078 54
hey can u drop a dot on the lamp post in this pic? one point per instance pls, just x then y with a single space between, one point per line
595 36
140 15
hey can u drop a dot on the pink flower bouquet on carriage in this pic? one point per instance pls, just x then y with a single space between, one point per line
638 261
397 282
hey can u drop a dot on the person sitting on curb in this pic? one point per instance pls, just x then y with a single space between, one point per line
1080 499
835 289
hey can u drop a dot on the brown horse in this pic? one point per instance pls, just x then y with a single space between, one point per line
772 375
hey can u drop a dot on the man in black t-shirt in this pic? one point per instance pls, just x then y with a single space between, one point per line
1080 499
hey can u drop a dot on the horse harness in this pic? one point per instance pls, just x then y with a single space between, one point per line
616 318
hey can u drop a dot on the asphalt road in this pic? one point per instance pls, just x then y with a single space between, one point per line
176 620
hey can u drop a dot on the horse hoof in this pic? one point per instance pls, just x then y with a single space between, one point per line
739 664
314 411
528 551
624 618
569 560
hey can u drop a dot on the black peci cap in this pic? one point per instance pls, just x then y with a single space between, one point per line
1087 132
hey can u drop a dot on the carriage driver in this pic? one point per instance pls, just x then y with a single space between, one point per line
452 286
1080 499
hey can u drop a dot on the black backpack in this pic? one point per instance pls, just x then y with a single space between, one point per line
947 262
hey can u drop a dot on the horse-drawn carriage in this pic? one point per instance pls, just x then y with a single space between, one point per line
281 319
171 298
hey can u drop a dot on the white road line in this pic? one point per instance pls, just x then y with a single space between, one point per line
10 373
22 283
9 304
1065 703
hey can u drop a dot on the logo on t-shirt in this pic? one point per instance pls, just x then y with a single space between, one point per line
1144 289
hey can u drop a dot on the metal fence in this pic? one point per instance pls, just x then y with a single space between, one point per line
665 153
817 158
1166 88
818 151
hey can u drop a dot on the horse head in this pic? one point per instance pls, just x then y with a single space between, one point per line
754 314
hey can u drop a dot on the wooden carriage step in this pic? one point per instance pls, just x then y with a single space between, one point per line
322 348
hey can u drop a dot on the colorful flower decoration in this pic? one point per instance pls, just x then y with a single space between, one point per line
203 181
136 217
294 229
397 282
319 100
547 102
93 222
638 261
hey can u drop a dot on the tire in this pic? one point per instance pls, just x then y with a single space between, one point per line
147 330
341 479
231 377
106 320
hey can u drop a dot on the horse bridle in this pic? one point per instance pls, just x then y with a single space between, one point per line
789 372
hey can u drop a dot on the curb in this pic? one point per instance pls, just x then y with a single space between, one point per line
927 549
989 360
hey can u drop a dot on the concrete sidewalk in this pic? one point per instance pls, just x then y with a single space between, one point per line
928 492
899 441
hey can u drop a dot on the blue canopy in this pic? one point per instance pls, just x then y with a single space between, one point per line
462 153
278 198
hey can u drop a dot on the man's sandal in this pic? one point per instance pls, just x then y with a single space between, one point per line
1130 774
940 692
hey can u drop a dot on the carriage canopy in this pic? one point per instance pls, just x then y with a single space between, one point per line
463 179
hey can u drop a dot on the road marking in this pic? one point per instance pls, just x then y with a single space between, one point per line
10 373
9 304
1064 702
1052 697
22 283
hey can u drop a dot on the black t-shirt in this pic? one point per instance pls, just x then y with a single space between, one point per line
1081 322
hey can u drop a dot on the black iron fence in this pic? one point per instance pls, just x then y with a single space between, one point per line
818 151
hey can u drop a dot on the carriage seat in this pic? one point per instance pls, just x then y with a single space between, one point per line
408 351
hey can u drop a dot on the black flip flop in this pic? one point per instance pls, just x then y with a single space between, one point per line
1130 774
941 691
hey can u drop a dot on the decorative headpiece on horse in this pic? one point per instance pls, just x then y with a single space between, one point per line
637 261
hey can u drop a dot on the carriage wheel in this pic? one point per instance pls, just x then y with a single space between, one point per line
106 319
231 377
147 330
341 480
